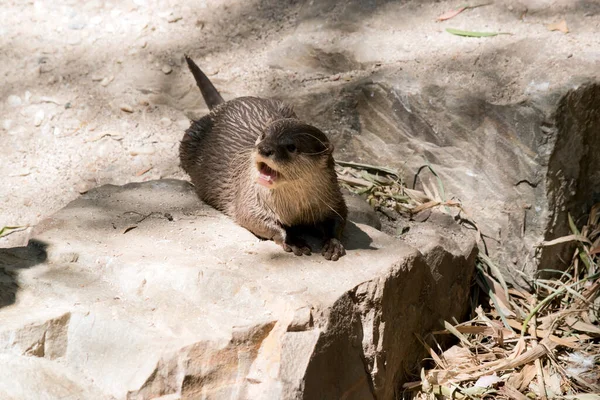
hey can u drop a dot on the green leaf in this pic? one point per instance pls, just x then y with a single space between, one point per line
6 230
572 225
458 32
386 170
495 273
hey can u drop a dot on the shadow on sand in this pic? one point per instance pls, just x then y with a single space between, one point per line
13 260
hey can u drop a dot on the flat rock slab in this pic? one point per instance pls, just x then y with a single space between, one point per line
141 291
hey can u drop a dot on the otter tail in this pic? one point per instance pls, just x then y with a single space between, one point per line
210 94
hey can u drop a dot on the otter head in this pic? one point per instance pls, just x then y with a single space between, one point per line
288 151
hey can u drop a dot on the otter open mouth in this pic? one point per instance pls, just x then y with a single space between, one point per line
266 175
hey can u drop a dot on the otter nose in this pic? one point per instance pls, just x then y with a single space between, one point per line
265 150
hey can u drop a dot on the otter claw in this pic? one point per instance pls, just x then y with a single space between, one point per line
333 250
297 246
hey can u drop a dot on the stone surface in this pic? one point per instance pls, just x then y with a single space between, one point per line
34 378
518 168
360 211
508 122
141 291
520 150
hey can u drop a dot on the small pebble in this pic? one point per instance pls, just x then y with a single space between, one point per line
77 25
7 124
96 20
38 118
165 121
73 40
126 107
143 102
84 186
141 150
14 100
46 99
106 81
183 123
167 70
210 70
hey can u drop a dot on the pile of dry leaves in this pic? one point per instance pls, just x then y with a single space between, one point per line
540 344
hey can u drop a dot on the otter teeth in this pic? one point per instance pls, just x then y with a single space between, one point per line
266 175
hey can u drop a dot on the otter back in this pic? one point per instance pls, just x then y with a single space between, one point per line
216 148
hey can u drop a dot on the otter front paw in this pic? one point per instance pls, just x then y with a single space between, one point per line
296 245
333 249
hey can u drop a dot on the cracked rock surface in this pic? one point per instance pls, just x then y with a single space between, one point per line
141 291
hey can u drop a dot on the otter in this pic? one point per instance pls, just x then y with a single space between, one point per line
254 160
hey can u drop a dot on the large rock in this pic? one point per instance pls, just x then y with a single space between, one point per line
518 168
34 378
510 124
141 291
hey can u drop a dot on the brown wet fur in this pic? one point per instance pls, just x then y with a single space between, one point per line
222 153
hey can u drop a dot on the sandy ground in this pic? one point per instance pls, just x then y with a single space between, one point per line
95 92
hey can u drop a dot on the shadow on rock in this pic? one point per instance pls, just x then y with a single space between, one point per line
14 259
356 239
353 238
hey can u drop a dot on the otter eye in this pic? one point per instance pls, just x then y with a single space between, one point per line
291 148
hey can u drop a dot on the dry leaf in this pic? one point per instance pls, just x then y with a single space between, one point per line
129 229
440 362
498 291
513 393
487 381
521 379
565 239
559 26
112 135
143 171
582 326
457 355
451 14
